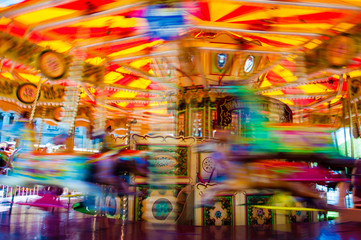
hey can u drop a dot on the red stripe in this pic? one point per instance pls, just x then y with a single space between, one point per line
303 102
126 80
155 86
115 48
72 33
274 78
268 41
324 17
242 10
202 11
85 4
291 66
292 91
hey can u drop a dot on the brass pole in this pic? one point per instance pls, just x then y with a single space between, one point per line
350 115
344 103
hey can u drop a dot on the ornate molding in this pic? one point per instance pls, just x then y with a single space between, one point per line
165 139
198 95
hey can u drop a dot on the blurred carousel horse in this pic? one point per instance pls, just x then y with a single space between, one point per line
240 174
80 172
248 161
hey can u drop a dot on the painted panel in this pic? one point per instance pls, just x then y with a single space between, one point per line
168 160
221 213
258 216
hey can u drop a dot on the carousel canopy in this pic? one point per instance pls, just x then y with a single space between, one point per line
300 52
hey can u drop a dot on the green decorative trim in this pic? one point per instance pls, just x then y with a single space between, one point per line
144 193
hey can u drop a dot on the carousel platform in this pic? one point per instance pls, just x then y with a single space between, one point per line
32 223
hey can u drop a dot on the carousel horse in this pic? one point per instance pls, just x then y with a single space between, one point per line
245 166
77 171
110 168
293 177
248 161
83 173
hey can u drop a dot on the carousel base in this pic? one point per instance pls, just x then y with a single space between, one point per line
32 223
349 215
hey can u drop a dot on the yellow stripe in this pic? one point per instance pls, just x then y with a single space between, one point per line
57 45
135 49
356 73
314 88
124 94
309 27
284 73
30 77
112 77
265 83
270 13
290 208
214 9
288 102
292 40
109 21
95 60
4 21
43 15
278 92
139 83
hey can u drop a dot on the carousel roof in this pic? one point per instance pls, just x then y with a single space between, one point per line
141 64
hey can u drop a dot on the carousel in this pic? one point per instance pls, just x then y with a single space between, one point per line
127 103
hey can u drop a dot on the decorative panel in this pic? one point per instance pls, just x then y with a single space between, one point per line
206 166
221 63
168 159
197 123
173 159
296 216
181 124
258 216
221 213
157 205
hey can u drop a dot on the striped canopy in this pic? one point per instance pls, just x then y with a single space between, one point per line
141 68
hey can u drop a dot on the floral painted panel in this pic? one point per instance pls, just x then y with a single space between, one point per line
258 216
160 202
221 213
296 216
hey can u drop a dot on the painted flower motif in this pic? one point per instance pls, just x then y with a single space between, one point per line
260 212
218 214
298 216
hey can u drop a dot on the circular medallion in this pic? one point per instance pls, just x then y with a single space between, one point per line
355 87
52 64
162 208
248 64
208 164
340 50
221 60
26 93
